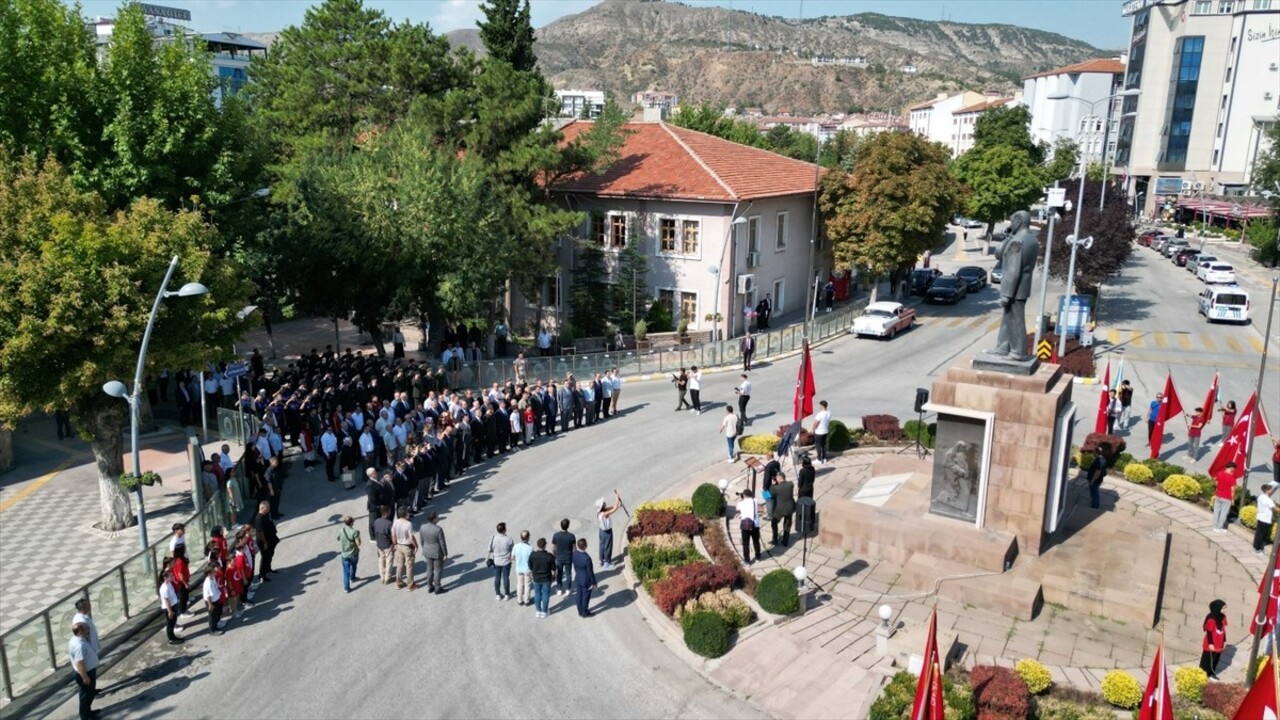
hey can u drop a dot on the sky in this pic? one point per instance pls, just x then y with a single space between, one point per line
1094 21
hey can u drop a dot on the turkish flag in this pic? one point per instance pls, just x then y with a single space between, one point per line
805 389
929 704
1156 703
1268 597
1100 425
1261 703
1169 407
1210 401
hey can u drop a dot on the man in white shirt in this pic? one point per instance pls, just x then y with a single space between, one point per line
84 614
695 389
329 449
821 426
544 342
213 599
225 460
617 391
744 396
227 386
367 448
263 444
84 667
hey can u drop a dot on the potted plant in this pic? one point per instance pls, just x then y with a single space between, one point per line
642 335
683 331
131 482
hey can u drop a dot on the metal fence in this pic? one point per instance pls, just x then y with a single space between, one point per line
38 646
649 362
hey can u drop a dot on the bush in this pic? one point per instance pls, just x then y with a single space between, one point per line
686 582
759 444
1223 697
1139 474
1035 675
1183 487
1121 689
926 433
1196 713
896 698
999 692
722 602
1161 469
1054 709
708 501
1082 459
1190 682
1077 360
722 554
662 522
884 427
777 593
1207 485
1122 461
706 633
676 505
650 561
1249 516
838 437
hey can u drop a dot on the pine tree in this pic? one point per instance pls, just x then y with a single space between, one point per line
507 33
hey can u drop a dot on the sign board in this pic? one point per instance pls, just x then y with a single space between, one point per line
165 12
1072 319
1133 7
1168 186
237 369
1057 197
1044 350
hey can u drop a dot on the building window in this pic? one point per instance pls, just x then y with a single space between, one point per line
1203 7
617 231
1261 4
753 234
1187 74
689 307
667 235
599 229
667 301
780 242
690 237
779 296
1225 7
1215 157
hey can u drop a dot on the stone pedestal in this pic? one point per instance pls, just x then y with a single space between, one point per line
1024 412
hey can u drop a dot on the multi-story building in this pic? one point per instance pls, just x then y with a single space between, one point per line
1068 102
964 120
1209 76
586 104
656 99
932 119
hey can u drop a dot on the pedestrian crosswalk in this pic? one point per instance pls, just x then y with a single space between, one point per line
1245 343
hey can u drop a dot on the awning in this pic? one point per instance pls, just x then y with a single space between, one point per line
1223 209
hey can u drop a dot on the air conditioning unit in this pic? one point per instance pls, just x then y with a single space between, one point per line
753 259
746 284
1197 186
1186 187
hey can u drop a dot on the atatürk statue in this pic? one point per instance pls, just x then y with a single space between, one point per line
1017 254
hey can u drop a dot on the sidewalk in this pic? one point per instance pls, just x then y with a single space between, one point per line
836 635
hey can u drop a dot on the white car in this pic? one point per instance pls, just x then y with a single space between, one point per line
1218 273
1194 265
884 320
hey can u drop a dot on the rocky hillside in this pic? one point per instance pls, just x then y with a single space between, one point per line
726 56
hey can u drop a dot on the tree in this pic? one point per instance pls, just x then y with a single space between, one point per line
711 119
1112 232
1065 161
76 286
1001 180
1266 169
1010 126
507 33
630 287
1264 235
589 296
893 206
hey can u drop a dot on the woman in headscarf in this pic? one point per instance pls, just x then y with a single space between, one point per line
1215 638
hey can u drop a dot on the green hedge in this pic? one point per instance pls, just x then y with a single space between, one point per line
777 593
838 437
926 433
708 501
706 633
1161 469
649 562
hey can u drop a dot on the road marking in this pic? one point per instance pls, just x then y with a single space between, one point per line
1136 339
958 322
1234 344
1209 344
1162 340
993 326
1113 336
35 485
1184 341
1257 344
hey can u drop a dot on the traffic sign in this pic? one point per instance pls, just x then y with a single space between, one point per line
237 369
1044 350
1057 197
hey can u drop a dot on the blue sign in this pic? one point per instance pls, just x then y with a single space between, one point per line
237 369
1071 320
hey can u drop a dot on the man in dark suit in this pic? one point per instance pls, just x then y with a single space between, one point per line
435 550
584 577
268 538
784 505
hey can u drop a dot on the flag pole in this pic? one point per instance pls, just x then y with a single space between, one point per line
1257 391
1260 617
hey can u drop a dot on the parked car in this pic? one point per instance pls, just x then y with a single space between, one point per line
1146 237
1228 303
1185 256
1194 267
1159 242
1218 274
1172 246
974 277
948 288
920 280
997 273
967 223
884 320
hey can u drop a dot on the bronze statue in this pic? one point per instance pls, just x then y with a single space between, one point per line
1017 254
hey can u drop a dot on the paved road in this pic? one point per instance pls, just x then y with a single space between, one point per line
310 650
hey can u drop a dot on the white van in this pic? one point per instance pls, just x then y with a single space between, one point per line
1225 303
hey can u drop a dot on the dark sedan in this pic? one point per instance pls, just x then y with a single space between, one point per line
921 280
948 289
975 278
1185 257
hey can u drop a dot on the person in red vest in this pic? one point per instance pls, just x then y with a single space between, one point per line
1215 638
1223 496
1194 431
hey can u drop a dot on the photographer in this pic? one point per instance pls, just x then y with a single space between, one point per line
681 381
749 521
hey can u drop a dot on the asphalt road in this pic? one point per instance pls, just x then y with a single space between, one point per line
309 650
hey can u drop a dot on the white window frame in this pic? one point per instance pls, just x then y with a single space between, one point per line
781 231
680 221
697 305
626 231
1202 7
753 234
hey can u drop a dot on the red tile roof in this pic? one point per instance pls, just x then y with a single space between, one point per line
924 104
1108 66
983 106
658 160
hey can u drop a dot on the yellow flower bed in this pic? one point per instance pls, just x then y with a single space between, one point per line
1035 675
1121 689
1183 487
759 444
678 506
1190 682
1138 473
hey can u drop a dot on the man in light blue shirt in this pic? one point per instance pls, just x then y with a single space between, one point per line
524 576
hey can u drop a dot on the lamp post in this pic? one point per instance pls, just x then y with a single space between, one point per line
115 388
716 270
1053 197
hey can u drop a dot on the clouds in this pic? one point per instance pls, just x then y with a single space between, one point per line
455 14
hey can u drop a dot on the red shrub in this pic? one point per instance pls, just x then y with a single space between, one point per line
1223 697
999 693
1078 361
686 582
721 553
661 522
885 427
1094 440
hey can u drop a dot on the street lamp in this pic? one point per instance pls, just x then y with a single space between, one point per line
716 269
117 389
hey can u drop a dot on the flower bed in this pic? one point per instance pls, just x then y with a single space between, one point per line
662 522
686 582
